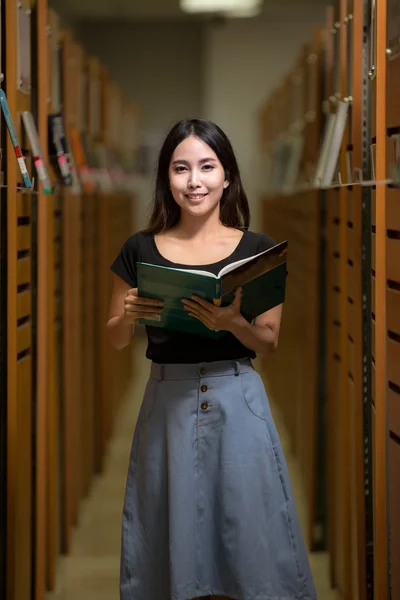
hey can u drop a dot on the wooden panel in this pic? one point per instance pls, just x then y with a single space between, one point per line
88 337
24 337
24 272
72 321
24 475
24 237
24 304
20 524
393 92
71 362
351 241
344 394
298 219
392 208
392 307
351 282
393 363
394 499
382 272
57 278
393 310
373 108
394 411
54 465
57 228
392 246
24 205
393 263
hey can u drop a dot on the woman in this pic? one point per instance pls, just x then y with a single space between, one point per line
208 506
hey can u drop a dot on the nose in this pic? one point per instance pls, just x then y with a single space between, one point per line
193 180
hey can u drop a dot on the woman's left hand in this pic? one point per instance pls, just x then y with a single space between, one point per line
214 317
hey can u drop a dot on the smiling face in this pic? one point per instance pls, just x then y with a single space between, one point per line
196 176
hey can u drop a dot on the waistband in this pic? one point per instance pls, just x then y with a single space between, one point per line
218 368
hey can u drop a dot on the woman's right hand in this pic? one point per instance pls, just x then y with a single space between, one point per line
136 308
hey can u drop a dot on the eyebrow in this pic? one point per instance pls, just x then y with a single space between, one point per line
203 160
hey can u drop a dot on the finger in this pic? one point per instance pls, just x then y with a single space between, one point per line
144 301
150 316
203 320
207 305
135 308
198 311
238 296
197 306
202 316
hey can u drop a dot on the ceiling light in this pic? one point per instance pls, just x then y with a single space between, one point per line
234 8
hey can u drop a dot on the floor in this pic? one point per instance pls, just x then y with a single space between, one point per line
91 571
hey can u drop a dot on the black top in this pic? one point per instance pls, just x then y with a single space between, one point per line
165 346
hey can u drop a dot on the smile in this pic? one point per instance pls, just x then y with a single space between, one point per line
196 196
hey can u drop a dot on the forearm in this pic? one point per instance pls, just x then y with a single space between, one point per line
119 332
261 339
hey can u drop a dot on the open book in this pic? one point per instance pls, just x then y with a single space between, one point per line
262 278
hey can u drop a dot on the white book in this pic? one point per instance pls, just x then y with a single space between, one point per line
330 149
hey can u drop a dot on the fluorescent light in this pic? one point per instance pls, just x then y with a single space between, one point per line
238 8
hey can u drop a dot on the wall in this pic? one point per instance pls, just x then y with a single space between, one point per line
222 72
244 61
160 66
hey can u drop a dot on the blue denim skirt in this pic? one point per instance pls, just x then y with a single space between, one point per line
208 506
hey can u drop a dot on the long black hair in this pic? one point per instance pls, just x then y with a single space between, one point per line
234 211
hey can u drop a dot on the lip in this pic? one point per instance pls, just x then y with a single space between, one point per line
196 197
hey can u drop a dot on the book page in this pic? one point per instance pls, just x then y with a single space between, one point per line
192 271
277 249
254 267
238 263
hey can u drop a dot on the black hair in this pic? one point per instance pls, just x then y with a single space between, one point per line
234 206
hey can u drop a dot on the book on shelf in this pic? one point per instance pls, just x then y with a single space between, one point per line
34 141
331 145
14 140
262 278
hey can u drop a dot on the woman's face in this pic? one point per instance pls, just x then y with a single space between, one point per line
196 176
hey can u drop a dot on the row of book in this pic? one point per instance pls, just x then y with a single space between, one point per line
95 168
287 153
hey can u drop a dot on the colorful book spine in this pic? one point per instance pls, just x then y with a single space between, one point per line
57 142
34 141
14 139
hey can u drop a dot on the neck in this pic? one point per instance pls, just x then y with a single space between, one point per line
200 227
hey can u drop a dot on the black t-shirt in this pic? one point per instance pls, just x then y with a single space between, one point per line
165 346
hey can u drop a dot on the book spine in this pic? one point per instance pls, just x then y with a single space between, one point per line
217 296
14 140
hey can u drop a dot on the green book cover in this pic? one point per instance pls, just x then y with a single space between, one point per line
262 278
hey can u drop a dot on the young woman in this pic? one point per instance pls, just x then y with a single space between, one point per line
208 506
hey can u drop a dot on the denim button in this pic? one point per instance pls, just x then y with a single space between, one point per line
203 371
204 405
204 388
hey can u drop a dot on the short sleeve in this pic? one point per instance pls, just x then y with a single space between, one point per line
125 263
264 242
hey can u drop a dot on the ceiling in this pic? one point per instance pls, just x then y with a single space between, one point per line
156 9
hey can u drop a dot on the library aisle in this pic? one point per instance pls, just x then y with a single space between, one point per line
91 571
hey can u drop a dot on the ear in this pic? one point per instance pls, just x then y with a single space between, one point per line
226 184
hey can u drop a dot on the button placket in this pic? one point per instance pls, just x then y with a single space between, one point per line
204 404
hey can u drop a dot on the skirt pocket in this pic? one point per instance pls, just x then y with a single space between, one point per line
254 394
